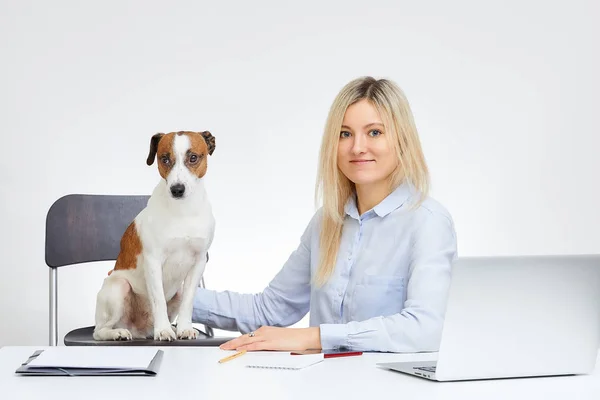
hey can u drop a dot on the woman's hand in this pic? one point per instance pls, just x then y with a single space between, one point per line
273 338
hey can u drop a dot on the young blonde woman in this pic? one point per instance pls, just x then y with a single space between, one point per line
373 265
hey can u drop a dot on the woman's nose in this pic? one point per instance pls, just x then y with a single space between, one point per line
358 146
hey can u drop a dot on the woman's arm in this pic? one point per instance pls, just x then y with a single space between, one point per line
283 302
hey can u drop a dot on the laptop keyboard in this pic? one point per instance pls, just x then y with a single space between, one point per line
426 369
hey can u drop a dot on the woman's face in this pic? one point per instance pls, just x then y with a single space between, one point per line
365 156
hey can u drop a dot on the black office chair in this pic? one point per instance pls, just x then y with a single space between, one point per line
88 228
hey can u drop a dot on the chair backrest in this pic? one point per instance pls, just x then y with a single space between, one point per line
84 228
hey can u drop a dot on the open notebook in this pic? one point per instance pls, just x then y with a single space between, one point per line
93 360
283 361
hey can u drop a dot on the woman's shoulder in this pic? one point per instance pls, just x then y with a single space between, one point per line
432 206
431 209
317 218
314 224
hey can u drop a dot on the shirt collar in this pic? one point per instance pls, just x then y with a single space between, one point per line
392 202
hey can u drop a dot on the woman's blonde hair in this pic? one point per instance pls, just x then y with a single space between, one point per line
333 186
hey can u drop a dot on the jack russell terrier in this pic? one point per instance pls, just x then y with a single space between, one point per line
164 250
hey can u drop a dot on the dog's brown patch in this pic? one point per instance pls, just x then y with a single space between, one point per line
131 247
199 148
161 149
137 314
164 155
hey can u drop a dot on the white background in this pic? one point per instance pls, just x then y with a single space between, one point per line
505 96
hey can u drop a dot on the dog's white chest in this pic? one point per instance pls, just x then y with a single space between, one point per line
182 235
183 240
182 245
183 252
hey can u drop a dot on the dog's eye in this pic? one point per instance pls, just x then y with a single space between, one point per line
165 160
193 158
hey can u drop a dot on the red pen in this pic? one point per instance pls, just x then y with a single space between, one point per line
329 353
342 354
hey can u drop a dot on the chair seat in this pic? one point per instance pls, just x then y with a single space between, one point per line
84 337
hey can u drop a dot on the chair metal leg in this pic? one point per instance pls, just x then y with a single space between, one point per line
207 329
53 312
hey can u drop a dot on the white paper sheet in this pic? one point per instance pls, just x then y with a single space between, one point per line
95 357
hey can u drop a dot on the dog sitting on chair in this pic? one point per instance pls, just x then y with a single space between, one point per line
164 250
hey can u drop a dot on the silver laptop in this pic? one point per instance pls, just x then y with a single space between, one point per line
510 317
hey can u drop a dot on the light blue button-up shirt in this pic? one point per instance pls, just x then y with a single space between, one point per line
388 290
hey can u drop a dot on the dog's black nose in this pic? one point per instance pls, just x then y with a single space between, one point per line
177 190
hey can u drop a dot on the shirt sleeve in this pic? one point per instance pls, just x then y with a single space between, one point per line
285 301
418 326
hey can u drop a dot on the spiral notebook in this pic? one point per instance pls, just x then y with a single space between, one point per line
285 361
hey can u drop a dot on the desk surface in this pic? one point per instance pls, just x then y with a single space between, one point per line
195 373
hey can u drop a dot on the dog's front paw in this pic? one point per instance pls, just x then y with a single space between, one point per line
165 333
122 334
112 334
186 332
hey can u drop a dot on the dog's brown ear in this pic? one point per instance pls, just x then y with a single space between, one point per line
154 147
210 141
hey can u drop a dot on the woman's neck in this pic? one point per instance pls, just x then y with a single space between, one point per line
368 196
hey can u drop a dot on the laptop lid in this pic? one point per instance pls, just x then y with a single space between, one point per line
521 316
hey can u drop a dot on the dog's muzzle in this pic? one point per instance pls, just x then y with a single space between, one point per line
177 190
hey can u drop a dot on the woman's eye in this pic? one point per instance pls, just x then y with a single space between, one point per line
344 134
375 132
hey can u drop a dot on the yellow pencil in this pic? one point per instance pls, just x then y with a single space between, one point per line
231 357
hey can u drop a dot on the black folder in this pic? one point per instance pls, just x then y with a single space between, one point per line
29 370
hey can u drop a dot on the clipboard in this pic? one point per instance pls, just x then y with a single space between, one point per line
33 370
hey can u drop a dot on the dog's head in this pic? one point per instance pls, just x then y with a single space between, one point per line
182 159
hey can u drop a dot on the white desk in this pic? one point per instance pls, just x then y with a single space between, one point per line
190 372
